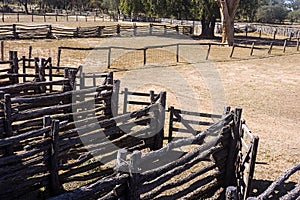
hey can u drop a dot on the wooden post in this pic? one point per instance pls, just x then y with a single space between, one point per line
270 48
50 73
118 30
297 44
231 193
86 18
94 18
121 165
49 33
32 17
55 185
234 148
160 117
284 45
275 32
8 121
15 67
29 55
24 67
151 29
165 29
145 56
37 69
252 49
134 182
115 98
58 57
18 17
14 29
170 137
3 18
56 17
226 110
76 18
125 100
246 30
208 52
259 33
44 18
134 29
177 29
2 50
108 57
67 17
177 53
232 50
99 31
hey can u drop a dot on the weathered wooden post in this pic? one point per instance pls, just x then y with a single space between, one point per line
234 148
145 55
177 53
94 18
56 17
76 17
29 55
270 48
125 100
232 50
134 182
67 17
231 193
49 33
8 121
86 19
3 18
165 29
115 98
170 136
246 30
31 17
37 69
2 50
159 137
252 49
208 52
44 17
297 44
284 45
177 29
118 30
24 67
275 32
151 29
260 33
121 165
58 58
99 31
15 67
14 29
108 57
134 29
18 17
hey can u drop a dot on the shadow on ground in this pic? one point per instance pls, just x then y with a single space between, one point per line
259 186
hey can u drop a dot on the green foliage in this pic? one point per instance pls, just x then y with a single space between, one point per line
272 13
247 9
294 16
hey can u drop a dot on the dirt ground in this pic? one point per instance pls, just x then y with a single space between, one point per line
265 86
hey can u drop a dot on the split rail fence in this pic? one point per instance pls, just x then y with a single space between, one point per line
18 31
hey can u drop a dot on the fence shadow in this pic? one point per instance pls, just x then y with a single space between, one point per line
259 186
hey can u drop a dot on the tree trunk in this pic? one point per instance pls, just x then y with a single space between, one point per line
227 11
208 27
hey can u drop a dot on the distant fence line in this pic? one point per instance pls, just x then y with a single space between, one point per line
176 48
17 31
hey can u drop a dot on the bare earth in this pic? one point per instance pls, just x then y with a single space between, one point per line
266 87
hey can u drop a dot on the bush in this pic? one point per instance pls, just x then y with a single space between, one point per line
272 14
294 16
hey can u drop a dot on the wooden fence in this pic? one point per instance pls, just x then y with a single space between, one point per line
292 194
18 31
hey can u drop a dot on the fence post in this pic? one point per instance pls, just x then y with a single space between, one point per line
55 186
231 193
58 58
14 29
134 29
177 53
29 55
108 57
67 17
145 56
15 67
234 148
118 30
270 48
275 32
86 18
3 18
151 29
134 182
44 18
49 33
121 165
31 17
232 50
115 98
76 17
8 121
56 17
24 67
284 45
297 44
125 100
165 29
18 17
170 136
2 50
259 33
159 137
252 49
208 52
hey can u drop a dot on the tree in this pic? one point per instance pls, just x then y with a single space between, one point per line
272 13
25 4
227 10
247 9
